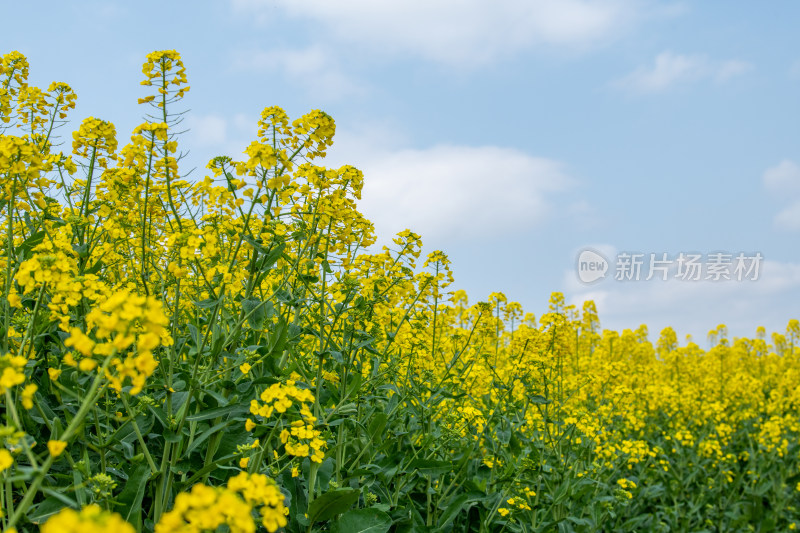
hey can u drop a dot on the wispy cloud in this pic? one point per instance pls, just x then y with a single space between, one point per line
669 69
731 69
314 68
461 32
789 217
213 134
783 180
451 192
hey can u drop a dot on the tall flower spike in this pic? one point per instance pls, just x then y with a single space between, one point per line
162 69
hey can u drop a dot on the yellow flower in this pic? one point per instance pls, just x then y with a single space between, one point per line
56 447
87 365
6 460
243 462
14 300
249 425
54 373
91 519
245 368
80 342
27 395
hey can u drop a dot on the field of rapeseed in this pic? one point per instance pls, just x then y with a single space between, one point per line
231 354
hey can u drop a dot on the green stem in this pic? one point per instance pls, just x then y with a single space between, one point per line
87 404
139 436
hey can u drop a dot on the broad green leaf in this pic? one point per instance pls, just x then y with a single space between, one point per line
362 521
205 435
256 312
219 411
454 507
332 503
129 501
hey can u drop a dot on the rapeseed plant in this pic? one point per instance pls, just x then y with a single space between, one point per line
234 353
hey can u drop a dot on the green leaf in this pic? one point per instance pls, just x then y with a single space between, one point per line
273 256
363 521
129 501
208 303
41 512
258 244
256 312
210 467
95 268
219 411
431 467
60 496
377 425
204 435
332 503
539 399
456 505
30 243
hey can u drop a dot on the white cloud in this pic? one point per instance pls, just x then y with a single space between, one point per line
669 69
794 70
695 307
208 130
584 214
461 32
211 135
789 217
448 192
731 69
315 68
783 178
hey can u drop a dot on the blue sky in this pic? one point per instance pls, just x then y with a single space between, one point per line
511 134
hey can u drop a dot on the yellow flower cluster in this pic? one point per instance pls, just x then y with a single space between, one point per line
13 76
11 371
6 459
260 155
95 137
262 492
34 109
64 98
207 508
318 128
274 121
519 503
158 130
90 519
164 68
514 504
120 322
56 269
301 438
278 397
19 158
